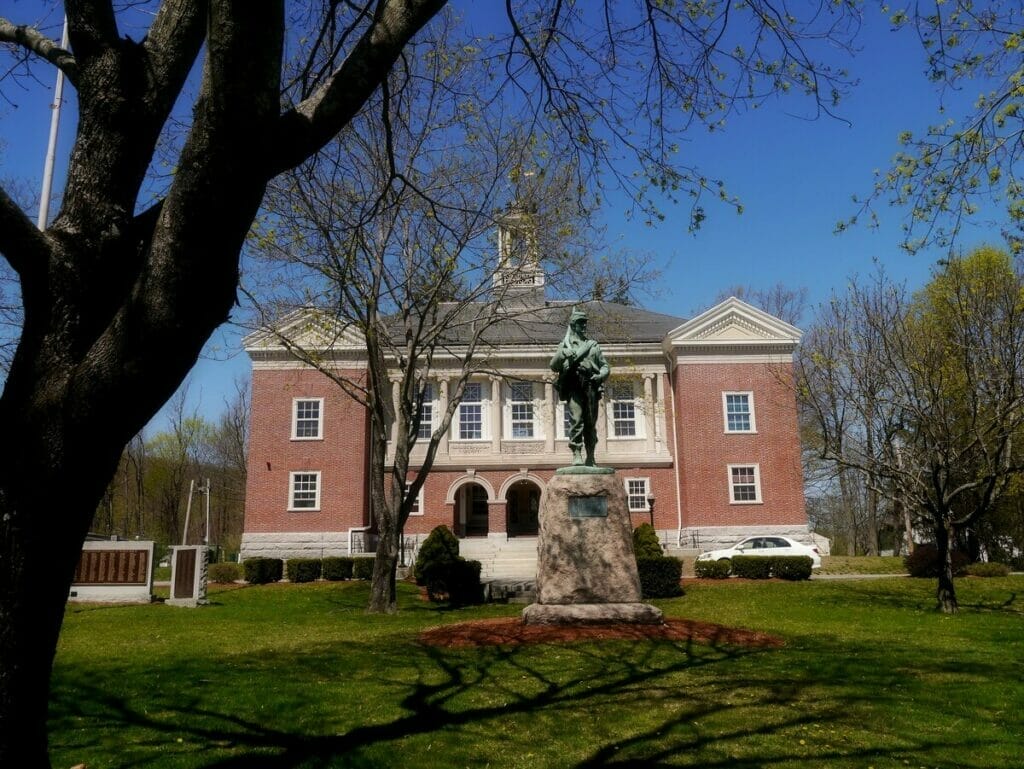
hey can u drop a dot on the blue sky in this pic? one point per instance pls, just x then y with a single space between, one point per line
795 178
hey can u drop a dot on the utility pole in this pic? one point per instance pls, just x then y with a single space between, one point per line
51 147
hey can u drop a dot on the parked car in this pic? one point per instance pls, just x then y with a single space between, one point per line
764 545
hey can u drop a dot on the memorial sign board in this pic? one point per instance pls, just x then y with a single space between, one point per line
119 571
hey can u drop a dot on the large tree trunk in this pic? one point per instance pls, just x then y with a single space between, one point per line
946 591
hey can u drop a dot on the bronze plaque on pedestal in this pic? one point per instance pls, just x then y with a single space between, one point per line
588 507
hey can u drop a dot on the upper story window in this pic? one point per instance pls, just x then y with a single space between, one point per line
636 494
417 503
307 419
521 410
739 412
426 428
304 491
471 413
744 484
624 412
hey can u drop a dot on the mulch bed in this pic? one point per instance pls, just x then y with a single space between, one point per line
512 631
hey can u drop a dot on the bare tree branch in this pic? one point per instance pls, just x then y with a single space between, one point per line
42 46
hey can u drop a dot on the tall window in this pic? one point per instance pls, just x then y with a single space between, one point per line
739 412
636 494
744 484
521 397
471 413
305 491
622 399
427 413
417 503
307 418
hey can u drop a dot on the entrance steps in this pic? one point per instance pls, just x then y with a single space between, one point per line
511 560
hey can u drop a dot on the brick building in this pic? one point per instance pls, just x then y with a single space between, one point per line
699 421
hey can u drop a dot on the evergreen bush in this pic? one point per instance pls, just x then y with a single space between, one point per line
362 568
463 583
303 569
989 569
224 572
712 569
336 569
439 548
924 562
260 571
659 577
645 542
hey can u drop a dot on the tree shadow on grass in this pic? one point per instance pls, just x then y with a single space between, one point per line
594 704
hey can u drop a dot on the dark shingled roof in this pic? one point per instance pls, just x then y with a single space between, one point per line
545 324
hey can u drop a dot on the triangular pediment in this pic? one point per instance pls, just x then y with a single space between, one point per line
306 329
734 323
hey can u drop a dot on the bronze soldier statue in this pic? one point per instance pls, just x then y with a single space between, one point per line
582 371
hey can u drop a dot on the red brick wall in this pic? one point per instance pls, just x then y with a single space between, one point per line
706 449
340 456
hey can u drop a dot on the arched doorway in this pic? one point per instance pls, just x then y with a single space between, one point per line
471 511
522 503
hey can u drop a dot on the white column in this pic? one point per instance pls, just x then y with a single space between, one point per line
395 396
649 411
659 412
497 405
442 407
551 424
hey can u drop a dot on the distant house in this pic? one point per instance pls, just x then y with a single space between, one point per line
699 420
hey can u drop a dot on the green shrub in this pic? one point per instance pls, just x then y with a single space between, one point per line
791 567
260 571
439 548
362 568
751 566
712 569
924 562
988 569
224 572
645 542
303 569
659 577
337 569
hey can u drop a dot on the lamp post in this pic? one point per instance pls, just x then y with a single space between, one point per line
650 506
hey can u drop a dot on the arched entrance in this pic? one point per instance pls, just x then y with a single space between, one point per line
471 511
522 503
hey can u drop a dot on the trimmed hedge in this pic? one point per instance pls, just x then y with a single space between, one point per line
645 542
463 583
336 569
224 572
659 577
924 562
303 569
712 569
989 569
260 571
791 567
752 566
362 568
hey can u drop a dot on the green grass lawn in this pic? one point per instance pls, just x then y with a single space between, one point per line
861 564
299 676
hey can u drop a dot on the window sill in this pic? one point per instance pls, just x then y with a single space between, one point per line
746 502
740 432
305 440
303 509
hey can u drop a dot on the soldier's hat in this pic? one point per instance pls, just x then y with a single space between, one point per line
577 314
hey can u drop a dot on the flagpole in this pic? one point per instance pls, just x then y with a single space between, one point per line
51 148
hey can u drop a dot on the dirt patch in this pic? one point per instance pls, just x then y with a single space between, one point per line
512 631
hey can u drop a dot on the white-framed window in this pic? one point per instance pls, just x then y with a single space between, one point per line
304 490
521 411
427 413
471 424
738 411
307 419
417 505
636 494
744 484
624 410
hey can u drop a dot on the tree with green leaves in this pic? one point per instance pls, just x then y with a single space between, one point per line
943 371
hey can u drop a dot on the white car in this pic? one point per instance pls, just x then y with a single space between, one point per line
765 545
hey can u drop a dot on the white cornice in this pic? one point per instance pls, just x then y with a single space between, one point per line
733 329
